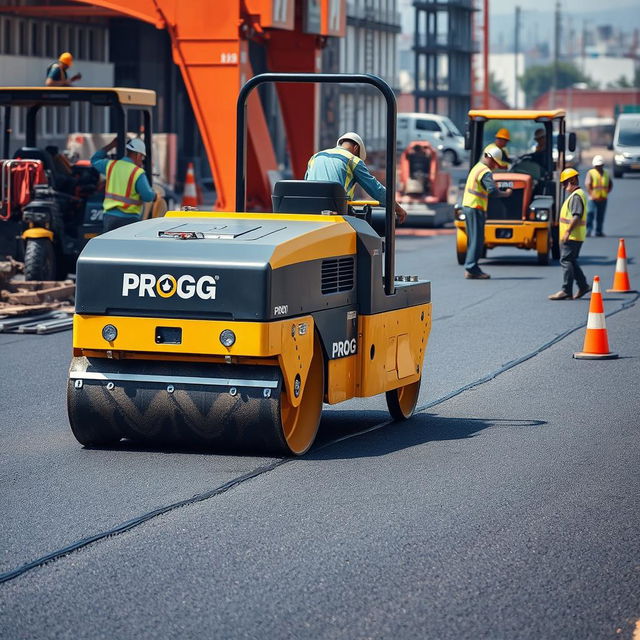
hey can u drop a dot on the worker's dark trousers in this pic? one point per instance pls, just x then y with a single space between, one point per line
570 268
474 220
596 209
110 222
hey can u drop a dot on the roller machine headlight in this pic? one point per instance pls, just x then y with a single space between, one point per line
230 330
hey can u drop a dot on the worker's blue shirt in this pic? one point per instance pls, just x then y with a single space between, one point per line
56 72
99 161
345 168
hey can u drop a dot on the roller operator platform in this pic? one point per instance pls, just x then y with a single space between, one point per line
230 330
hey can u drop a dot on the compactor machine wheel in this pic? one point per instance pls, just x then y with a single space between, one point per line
230 330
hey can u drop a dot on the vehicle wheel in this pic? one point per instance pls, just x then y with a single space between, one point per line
542 247
555 243
461 246
39 260
300 424
617 173
450 156
402 402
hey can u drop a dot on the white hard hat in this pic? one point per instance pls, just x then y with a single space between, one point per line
137 146
495 153
354 137
598 161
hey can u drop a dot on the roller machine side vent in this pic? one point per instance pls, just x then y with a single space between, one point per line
338 275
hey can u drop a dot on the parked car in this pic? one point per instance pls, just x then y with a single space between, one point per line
438 130
626 145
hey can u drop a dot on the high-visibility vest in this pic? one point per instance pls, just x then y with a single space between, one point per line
502 164
475 195
347 168
120 191
579 232
599 184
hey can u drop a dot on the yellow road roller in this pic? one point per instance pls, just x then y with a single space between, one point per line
229 331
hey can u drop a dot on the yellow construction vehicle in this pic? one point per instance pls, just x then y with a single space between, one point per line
230 330
528 219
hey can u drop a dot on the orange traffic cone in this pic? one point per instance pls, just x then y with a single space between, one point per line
621 282
190 195
596 342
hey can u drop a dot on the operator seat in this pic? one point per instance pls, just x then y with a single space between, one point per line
309 196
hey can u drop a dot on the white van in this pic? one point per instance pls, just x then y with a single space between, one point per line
438 130
626 144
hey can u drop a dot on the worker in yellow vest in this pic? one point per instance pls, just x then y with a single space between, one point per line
127 187
573 231
501 141
599 185
479 188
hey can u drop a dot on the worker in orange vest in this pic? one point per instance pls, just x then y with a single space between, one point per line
599 184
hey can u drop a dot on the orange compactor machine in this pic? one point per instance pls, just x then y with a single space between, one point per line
231 329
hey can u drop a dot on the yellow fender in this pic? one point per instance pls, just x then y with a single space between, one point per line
37 232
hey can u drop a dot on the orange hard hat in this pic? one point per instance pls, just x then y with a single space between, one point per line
504 134
66 58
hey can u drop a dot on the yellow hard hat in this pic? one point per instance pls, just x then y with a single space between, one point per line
66 58
504 134
568 173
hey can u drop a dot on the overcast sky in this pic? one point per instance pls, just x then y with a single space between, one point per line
567 6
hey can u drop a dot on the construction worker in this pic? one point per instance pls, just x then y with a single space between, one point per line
345 165
501 141
477 191
127 186
539 154
599 185
573 221
57 72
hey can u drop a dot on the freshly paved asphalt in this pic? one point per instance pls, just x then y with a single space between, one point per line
507 511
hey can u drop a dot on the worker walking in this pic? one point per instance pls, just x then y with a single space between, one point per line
345 165
479 188
57 72
573 221
502 139
599 184
127 186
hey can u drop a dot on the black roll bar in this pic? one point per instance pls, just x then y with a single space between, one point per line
325 78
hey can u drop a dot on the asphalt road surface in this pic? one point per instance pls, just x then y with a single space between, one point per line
506 508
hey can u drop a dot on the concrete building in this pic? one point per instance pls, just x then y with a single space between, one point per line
369 46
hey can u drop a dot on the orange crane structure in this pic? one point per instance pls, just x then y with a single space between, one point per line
210 45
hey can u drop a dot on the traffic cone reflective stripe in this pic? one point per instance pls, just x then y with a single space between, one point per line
621 282
190 195
596 340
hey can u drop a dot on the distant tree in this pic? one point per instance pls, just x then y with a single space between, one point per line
538 79
620 83
497 87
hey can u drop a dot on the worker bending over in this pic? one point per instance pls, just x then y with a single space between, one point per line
502 139
57 72
573 230
127 186
345 165
479 188
598 184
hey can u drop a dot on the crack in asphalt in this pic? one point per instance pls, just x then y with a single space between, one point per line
201 497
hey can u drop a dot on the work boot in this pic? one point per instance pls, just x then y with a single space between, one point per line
600 234
560 295
476 276
582 292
